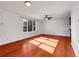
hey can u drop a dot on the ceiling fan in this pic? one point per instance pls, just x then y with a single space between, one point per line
47 17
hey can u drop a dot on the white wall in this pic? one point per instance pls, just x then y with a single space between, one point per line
1 29
13 28
57 26
75 27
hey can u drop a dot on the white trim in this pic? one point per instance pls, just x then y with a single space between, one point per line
75 50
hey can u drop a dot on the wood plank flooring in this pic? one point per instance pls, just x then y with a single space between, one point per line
23 48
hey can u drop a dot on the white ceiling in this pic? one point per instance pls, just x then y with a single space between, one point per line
38 8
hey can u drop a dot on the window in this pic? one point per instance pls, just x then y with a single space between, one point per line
33 25
29 26
25 27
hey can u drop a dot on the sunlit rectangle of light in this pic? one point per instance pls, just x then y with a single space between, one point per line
53 40
43 38
37 38
50 43
34 42
47 48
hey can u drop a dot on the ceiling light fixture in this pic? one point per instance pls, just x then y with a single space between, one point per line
28 3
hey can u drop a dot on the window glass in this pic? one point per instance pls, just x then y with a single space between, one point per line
29 25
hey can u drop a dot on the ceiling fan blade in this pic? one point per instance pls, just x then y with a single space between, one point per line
49 18
46 17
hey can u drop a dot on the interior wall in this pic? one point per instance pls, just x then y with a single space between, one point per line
57 26
12 28
1 29
75 27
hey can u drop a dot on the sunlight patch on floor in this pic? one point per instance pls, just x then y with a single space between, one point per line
50 43
47 48
34 42
53 40
45 43
43 37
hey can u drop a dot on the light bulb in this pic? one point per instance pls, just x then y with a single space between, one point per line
28 3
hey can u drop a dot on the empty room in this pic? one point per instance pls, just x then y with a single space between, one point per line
39 29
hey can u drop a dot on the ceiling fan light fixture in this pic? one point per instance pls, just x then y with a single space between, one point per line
28 3
46 18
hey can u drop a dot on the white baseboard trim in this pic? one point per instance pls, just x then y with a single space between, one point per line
75 50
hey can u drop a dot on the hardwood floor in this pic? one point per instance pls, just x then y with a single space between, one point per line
23 48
